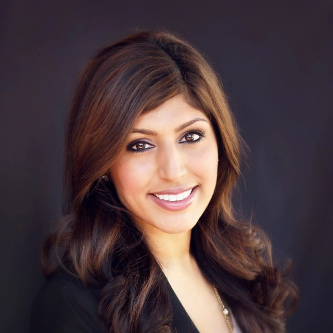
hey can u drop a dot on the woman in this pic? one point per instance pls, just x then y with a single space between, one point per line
149 241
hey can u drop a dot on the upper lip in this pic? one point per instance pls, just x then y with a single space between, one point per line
174 190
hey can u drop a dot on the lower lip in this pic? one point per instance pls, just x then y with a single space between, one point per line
175 205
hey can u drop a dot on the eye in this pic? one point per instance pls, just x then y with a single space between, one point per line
139 146
192 136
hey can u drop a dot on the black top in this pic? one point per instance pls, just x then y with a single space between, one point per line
65 305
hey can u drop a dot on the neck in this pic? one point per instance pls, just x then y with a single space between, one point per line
170 250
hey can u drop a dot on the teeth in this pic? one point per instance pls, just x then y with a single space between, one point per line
174 197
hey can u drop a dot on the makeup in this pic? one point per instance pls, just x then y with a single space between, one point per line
175 205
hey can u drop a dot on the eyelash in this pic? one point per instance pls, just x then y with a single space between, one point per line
197 131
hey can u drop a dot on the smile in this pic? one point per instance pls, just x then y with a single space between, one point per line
174 197
175 201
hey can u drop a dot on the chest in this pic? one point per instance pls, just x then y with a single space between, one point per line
196 308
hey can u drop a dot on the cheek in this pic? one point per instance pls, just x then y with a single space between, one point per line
207 162
130 179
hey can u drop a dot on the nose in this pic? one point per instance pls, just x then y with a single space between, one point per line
171 163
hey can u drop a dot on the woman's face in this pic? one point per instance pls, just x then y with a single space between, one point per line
167 172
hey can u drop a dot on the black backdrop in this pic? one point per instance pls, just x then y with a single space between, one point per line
275 59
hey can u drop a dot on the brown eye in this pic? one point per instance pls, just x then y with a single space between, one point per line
192 137
139 146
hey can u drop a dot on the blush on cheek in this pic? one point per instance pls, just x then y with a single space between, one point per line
128 181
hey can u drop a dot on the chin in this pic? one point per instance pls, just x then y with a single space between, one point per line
176 227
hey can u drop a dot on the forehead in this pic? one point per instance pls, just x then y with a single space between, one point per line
173 112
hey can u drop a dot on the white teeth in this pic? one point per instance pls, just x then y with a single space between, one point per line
174 197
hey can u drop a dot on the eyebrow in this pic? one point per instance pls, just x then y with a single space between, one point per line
179 128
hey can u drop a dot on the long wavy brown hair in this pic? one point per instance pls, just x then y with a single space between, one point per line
98 241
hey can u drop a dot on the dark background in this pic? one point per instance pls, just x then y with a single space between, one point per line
275 59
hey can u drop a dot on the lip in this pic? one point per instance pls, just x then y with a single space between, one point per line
175 191
175 205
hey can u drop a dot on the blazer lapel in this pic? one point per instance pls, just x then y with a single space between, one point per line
181 320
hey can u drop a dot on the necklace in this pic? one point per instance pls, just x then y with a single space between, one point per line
225 311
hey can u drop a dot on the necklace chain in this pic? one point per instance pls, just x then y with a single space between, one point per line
225 311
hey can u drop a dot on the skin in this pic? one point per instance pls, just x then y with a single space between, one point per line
163 161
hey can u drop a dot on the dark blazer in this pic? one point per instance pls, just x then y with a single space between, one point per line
65 305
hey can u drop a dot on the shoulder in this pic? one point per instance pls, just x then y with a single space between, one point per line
64 304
